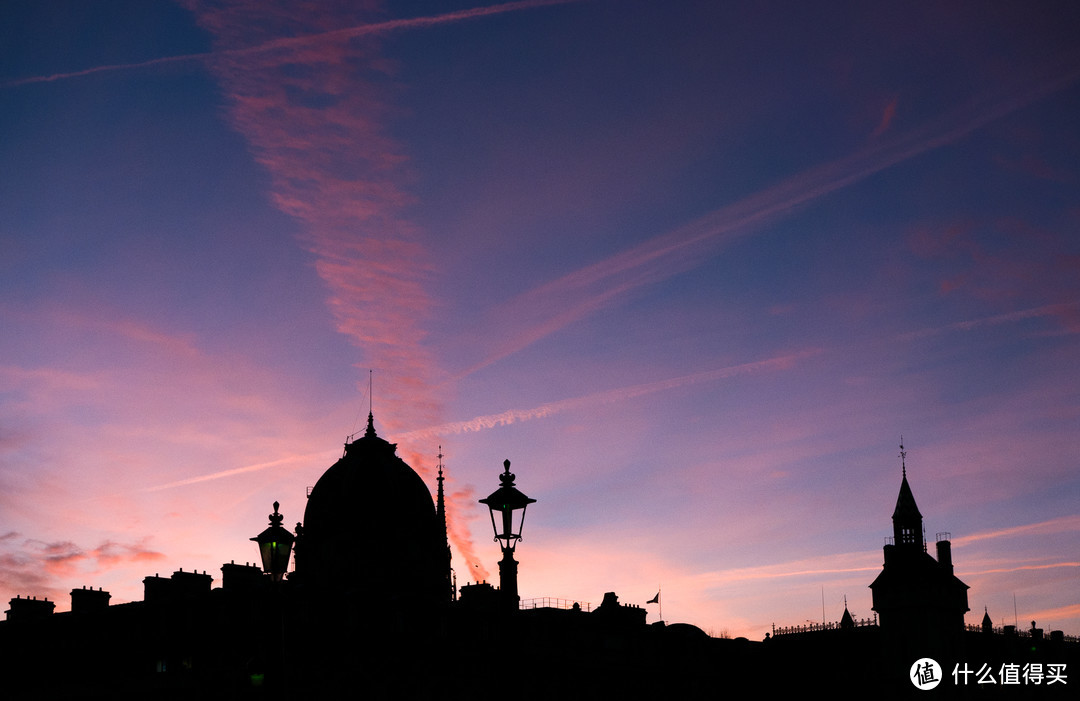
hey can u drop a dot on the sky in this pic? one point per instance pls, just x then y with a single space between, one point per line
695 268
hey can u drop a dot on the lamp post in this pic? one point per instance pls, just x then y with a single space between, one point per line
510 504
275 546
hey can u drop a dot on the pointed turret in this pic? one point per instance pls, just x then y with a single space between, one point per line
907 521
846 621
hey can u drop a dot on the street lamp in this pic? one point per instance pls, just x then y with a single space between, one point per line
275 546
510 504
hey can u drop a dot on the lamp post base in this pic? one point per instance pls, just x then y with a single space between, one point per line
508 568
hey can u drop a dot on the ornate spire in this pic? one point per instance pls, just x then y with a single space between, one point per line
440 511
370 432
440 500
907 521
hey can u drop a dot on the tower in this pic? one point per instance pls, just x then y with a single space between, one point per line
919 601
907 521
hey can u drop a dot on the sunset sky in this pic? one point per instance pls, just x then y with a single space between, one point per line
693 267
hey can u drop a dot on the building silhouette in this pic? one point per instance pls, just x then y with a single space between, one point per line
919 601
919 606
337 626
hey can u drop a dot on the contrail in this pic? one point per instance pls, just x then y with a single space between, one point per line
1063 524
290 42
1011 317
237 471
783 362
1020 568
576 295
512 416
105 69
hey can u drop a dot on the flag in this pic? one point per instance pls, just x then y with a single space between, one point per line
655 599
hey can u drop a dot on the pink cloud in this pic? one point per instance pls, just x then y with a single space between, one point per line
110 552
32 567
318 129
461 509
1003 261
313 105
887 116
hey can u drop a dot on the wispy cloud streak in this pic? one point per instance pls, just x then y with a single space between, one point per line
1020 568
581 293
314 110
1052 310
839 564
372 29
1065 524
293 459
513 416
29 564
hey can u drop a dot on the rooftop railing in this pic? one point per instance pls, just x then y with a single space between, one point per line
546 602
814 627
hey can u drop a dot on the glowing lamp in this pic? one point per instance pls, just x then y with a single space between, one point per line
509 503
507 506
275 546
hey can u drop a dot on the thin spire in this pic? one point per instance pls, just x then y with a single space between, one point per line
907 521
440 511
440 506
370 432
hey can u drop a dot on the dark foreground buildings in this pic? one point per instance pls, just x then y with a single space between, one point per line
390 624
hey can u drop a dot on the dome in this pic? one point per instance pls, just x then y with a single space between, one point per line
370 526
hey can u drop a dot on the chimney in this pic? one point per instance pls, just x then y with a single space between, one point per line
944 555
191 584
84 600
29 609
157 590
245 577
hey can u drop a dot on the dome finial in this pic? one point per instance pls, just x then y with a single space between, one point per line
370 432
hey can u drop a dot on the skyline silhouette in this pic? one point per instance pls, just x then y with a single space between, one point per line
384 616
693 269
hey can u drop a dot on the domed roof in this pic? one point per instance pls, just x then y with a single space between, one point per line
370 524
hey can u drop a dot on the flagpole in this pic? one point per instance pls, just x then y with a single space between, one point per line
657 600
